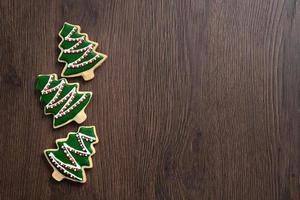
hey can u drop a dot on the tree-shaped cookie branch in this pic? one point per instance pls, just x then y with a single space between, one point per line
73 154
61 99
78 53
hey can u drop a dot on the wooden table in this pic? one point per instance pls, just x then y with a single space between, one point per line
197 100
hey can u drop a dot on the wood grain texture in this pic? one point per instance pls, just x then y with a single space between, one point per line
198 99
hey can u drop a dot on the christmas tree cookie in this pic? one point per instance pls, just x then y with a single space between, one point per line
62 99
73 154
78 53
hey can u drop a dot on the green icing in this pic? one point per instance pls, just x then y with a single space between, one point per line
41 82
72 141
46 98
69 58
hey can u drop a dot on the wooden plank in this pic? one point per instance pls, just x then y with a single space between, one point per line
197 100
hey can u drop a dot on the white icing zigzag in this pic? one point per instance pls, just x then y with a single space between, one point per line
67 98
73 49
68 150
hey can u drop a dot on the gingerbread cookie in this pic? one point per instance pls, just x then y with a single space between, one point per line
62 99
73 154
78 53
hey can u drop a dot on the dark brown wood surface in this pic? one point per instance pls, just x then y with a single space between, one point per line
199 99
